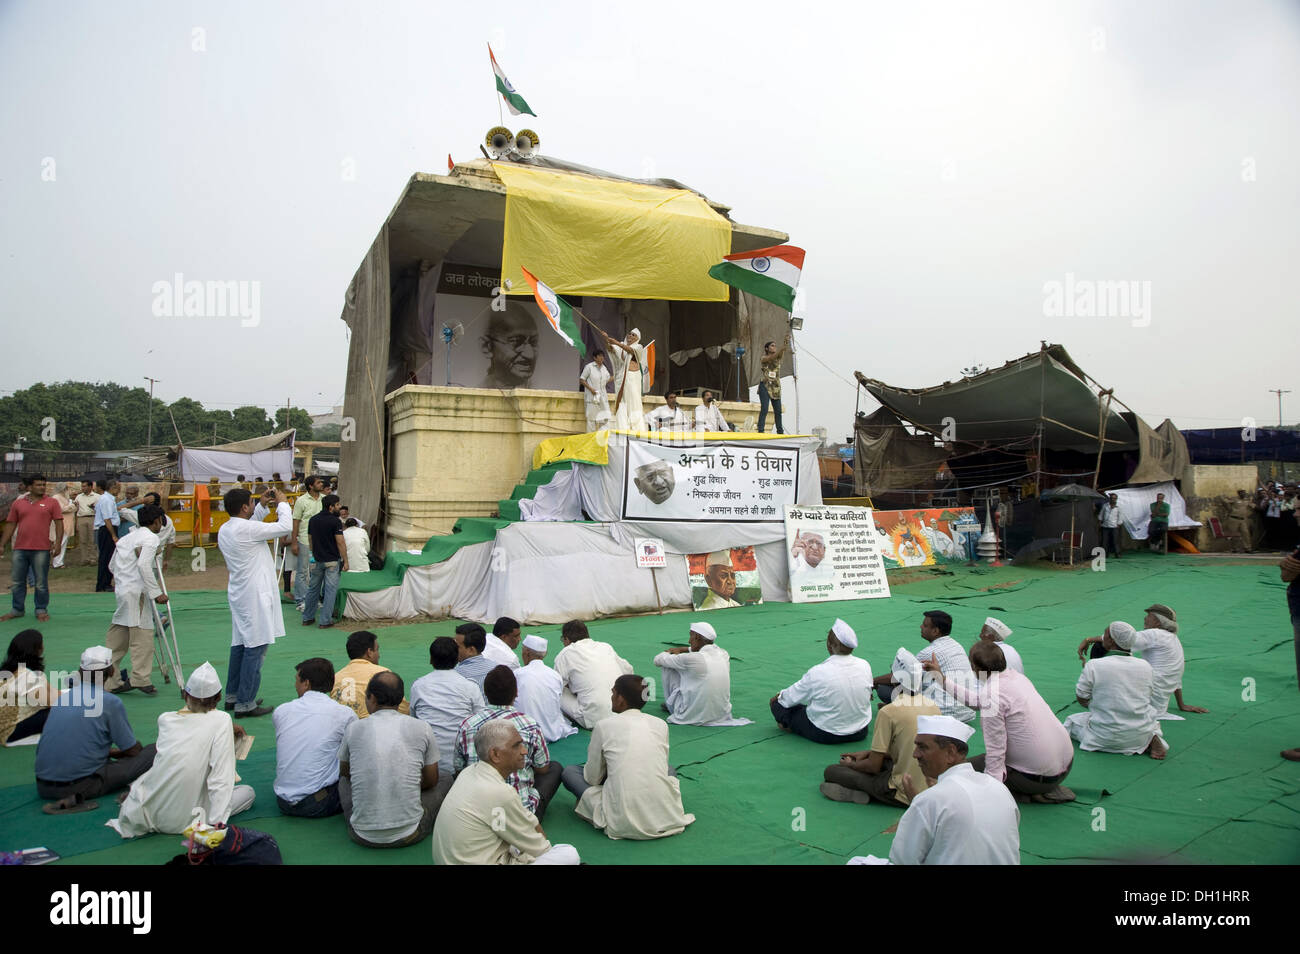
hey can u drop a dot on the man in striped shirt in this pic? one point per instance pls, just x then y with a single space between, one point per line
537 781
936 625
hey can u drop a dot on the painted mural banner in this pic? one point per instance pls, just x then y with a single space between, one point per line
933 537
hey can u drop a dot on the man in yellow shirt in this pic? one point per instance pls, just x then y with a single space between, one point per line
350 682
304 508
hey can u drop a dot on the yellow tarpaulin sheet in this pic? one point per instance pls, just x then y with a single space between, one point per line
587 236
593 448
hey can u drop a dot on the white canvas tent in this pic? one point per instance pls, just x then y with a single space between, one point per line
256 457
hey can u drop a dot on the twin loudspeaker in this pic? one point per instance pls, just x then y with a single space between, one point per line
501 143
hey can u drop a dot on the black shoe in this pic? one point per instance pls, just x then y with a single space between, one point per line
147 690
259 711
230 706
125 687
325 625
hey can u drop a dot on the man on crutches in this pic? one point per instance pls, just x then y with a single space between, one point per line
136 585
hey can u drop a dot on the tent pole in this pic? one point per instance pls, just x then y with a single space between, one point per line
1101 437
794 373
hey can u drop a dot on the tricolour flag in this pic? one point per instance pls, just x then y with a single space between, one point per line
771 274
559 314
514 102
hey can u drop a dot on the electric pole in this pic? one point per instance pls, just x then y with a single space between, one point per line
152 382
1279 392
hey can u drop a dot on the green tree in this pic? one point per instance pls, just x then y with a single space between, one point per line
298 419
191 421
248 422
77 417
327 432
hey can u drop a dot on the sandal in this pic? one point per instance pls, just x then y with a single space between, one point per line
42 617
79 804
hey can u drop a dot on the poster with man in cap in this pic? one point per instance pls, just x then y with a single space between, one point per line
724 578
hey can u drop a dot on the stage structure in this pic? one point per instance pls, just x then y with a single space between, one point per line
454 377
572 552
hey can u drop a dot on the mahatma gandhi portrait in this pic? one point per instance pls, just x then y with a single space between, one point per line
656 481
510 345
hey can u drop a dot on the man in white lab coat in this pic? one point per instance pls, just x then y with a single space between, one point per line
540 691
588 668
965 817
697 679
135 586
254 600
627 787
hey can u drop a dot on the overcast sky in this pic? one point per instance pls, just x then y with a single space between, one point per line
940 162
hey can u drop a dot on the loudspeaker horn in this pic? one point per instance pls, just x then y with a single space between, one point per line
499 141
527 142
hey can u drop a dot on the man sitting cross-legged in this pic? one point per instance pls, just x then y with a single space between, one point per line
1116 689
539 777
876 774
964 817
627 787
1024 744
388 772
482 820
308 733
832 702
88 748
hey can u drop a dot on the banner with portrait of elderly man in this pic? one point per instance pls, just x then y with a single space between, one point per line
834 554
724 578
715 483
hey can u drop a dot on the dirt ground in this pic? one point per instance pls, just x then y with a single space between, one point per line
180 572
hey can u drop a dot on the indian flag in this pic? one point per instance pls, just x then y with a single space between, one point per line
771 274
514 101
559 314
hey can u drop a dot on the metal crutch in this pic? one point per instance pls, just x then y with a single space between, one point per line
166 634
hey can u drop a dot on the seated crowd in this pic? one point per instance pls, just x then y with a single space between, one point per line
467 761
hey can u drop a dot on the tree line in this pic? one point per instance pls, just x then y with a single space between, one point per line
90 416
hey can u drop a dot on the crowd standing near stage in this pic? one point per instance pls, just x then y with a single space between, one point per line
465 762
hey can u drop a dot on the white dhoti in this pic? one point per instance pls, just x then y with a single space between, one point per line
631 416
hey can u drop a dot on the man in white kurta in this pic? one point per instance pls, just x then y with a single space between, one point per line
1117 692
626 788
482 820
996 631
708 416
831 703
135 587
194 770
540 691
254 598
1159 645
964 817
587 668
594 378
670 416
630 380
501 642
697 679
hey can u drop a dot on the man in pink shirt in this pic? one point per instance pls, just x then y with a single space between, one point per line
29 522
1025 745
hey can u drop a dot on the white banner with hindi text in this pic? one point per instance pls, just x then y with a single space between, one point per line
834 554
709 483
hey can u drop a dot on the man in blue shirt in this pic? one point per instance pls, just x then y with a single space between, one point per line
88 748
106 524
471 640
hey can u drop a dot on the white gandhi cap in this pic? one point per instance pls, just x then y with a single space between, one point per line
535 643
844 633
705 630
945 726
203 682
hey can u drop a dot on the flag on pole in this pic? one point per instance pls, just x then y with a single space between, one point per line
559 314
771 274
514 102
650 363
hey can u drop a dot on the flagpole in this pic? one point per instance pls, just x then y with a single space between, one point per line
794 372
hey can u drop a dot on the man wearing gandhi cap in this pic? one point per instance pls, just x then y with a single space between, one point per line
194 769
697 679
964 817
1157 642
831 704
720 578
1116 689
876 774
88 748
540 691
630 379
996 631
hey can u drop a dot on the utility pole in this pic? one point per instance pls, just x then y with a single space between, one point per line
1279 392
152 382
